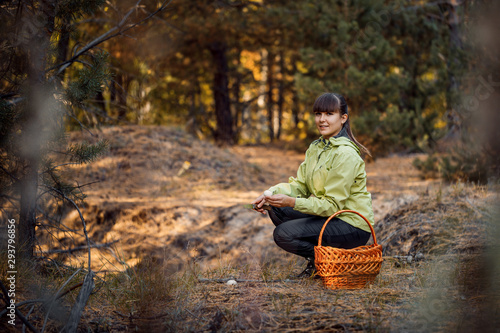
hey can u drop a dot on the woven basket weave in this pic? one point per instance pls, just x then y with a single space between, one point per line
347 268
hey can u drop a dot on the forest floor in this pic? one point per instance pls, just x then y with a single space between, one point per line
161 192
172 209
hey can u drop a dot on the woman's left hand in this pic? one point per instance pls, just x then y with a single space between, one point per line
281 200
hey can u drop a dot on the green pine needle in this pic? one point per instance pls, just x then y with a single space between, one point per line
89 80
86 153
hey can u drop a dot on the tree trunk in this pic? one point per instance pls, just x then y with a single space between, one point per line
295 97
27 214
224 133
63 44
112 92
38 98
123 81
192 125
281 93
270 99
453 119
101 102
236 89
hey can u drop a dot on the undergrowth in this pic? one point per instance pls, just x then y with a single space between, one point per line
415 296
445 291
431 294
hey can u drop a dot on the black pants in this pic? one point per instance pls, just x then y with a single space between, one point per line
298 233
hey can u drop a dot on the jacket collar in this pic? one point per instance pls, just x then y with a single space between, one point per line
342 133
341 139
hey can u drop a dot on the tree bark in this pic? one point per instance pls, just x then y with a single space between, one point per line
27 214
236 89
101 102
112 92
224 133
33 124
63 44
270 99
295 97
192 125
123 81
453 119
281 93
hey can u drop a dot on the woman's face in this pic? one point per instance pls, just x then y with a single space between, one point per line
329 123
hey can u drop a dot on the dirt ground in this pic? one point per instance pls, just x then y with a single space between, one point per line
159 191
171 206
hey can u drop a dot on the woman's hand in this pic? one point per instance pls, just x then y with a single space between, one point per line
259 203
280 200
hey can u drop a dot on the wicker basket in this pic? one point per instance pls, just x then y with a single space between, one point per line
347 269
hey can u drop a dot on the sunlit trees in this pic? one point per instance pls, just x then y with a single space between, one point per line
390 60
387 59
247 71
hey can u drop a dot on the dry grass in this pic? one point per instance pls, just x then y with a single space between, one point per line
441 293
448 288
426 296
176 244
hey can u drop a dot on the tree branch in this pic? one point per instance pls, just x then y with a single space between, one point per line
80 248
81 218
81 301
113 32
246 280
18 313
56 297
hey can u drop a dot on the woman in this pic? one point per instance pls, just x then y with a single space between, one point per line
331 178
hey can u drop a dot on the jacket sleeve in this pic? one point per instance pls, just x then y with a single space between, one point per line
337 187
296 186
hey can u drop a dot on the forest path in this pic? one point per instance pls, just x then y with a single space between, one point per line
159 190
163 167
173 205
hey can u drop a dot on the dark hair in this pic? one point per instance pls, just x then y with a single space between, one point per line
331 102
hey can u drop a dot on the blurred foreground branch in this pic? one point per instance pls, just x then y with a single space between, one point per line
119 29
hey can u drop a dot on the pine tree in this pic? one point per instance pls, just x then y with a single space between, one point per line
387 59
33 103
392 60
202 77
37 98
42 88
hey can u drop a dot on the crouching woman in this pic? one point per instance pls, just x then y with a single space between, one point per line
331 178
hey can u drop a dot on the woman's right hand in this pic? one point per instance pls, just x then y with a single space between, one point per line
259 203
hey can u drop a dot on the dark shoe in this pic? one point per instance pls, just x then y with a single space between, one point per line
309 271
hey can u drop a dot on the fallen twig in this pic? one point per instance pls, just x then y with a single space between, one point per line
247 280
55 298
80 248
161 315
18 313
81 301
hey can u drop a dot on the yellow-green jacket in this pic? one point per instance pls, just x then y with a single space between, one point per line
331 178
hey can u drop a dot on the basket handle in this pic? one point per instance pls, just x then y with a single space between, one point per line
346 211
